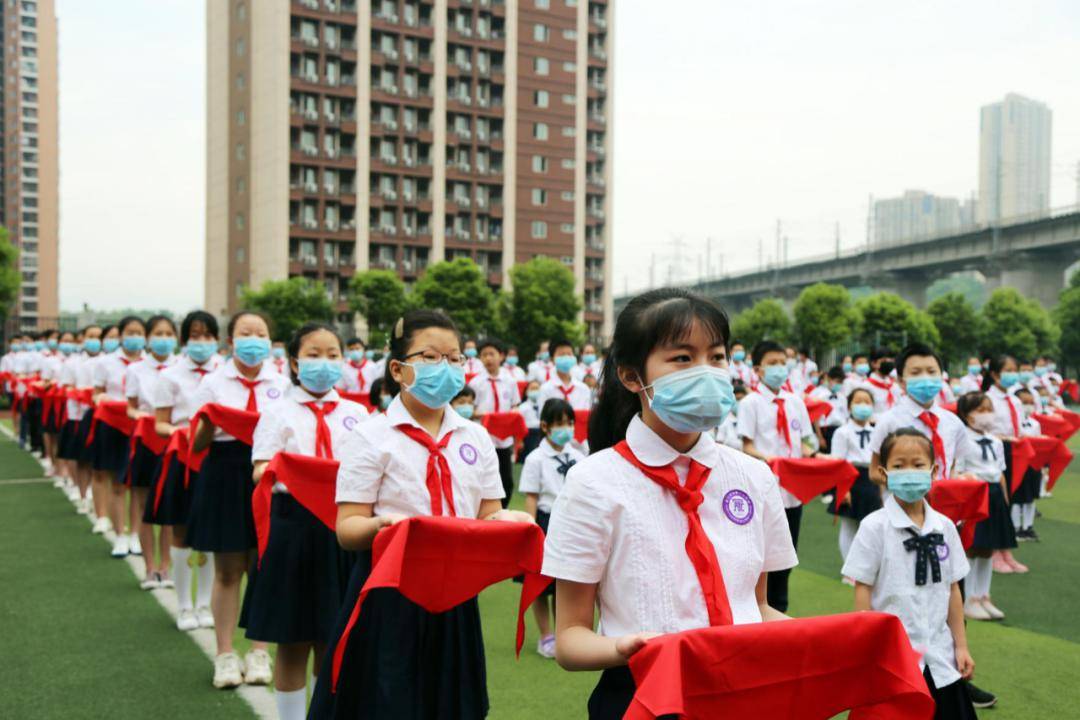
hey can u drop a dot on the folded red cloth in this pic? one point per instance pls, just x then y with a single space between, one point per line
440 562
817 408
238 423
806 478
1051 453
504 425
1071 388
178 446
1054 425
962 501
581 425
114 414
361 397
951 407
522 385
1023 452
312 481
806 668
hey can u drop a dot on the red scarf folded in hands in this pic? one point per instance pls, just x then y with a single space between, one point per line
962 501
502 425
362 398
581 425
1023 452
1071 388
807 668
238 423
440 562
522 386
178 446
1048 452
817 409
806 478
146 435
312 481
114 414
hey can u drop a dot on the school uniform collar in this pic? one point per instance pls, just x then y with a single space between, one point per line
900 520
915 408
266 372
301 396
188 364
548 451
997 392
398 414
651 450
976 435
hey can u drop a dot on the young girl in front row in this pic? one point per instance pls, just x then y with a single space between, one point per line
542 479
619 534
981 456
401 661
907 560
303 572
851 441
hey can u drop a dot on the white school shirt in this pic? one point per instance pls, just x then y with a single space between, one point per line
69 378
757 421
576 393
384 466
613 526
1030 427
224 388
854 381
839 414
806 369
878 558
743 371
473 366
515 372
177 384
582 370
356 377
288 425
970 458
142 379
727 432
906 414
881 395
1003 426
946 395
852 443
110 373
544 472
970 383
541 371
506 390
281 365
50 366
531 412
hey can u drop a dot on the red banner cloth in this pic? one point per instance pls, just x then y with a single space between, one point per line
312 481
238 423
951 407
806 478
440 562
114 414
1023 452
179 445
807 668
581 425
817 409
1054 425
962 501
502 425
362 398
522 384
1051 453
1071 388
1071 417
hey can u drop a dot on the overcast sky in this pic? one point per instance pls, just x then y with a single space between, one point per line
728 117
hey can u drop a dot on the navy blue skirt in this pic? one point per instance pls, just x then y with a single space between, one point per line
109 450
175 498
144 464
1029 489
220 519
612 696
295 594
402 662
86 452
995 532
68 447
951 702
865 498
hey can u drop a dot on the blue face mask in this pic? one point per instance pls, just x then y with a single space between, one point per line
588 358
543 355
278 352
565 363
1008 379
923 389
847 368
1040 371
532 394
161 346
863 369
837 388
464 410
436 384
974 369
862 412
384 401
134 343
693 400
67 348
251 350
370 354
775 376
53 344
111 344
561 435
200 352
470 352
738 355
39 345
512 360
909 485
356 355
92 346
790 362
1053 367
318 375
1026 376
16 347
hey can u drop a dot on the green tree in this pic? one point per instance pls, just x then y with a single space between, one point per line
542 305
973 290
1014 325
766 320
1067 316
458 288
888 319
378 295
957 324
824 317
289 304
9 273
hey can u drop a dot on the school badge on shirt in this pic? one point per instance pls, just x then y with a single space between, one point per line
738 507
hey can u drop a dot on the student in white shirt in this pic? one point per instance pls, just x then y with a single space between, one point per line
78 375
303 571
530 410
1022 502
277 357
852 443
174 403
513 366
774 423
590 366
728 431
981 457
542 479
972 380
382 480
220 519
100 484
831 391
882 385
65 424
541 368
618 534
52 362
795 381
464 403
359 370
473 366
740 369
908 560
861 371
807 368
497 392
563 385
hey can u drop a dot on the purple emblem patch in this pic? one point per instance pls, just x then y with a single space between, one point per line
349 423
273 393
738 507
796 425
468 453
942 552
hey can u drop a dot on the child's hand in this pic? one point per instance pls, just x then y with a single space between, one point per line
965 664
389 519
512 516
627 645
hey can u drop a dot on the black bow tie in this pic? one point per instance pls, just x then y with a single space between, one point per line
925 547
565 463
864 437
987 448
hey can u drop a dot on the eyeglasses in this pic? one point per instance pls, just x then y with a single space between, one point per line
431 357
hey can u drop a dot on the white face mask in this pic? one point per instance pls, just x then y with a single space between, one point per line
982 422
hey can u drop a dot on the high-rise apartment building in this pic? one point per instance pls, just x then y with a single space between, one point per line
915 214
29 173
1014 158
345 135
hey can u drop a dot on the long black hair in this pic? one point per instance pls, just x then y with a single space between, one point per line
401 337
996 364
657 317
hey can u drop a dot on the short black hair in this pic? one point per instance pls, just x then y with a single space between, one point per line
401 337
738 387
892 438
375 391
835 373
236 318
560 343
856 391
968 403
556 410
915 350
1023 390
355 341
765 347
298 338
491 342
156 320
466 392
881 352
198 316
128 320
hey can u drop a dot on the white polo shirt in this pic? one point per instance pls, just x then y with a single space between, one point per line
971 459
1003 426
515 372
878 558
970 383
839 413
356 377
176 386
142 377
541 371
852 442
906 414
111 372
224 388
757 421
505 389
530 410
545 471
743 371
384 466
613 526
576 393
882 394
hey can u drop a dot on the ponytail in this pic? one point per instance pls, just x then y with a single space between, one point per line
996 364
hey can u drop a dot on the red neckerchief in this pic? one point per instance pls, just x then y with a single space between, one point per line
324 446
252 404
439 481
931 421
887 387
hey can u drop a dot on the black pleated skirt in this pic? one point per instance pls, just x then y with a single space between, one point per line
220 518
86 452
995 532
865 498
952 702
68 448
296 594
51 424
175 498
1028 492
144 464
613 694
402 662
109 451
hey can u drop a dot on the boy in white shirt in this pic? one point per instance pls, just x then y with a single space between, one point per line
563 385
497 392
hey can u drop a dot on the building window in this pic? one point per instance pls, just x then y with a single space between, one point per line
239 221
540 97
540 131
241 117
568 131
541 32
539 164
239 289
567 228
240 81
569 34
567 260
539 229
569 67
240 47
240 254
543 4
541 66
241 151
569 99
241 11
568 164
539 197
568 195
241 186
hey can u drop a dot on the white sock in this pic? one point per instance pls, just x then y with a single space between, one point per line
1014 511
291 705
206 582
1028 520
981 572
848 528
181 575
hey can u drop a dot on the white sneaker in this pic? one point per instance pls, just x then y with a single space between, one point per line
73 494
150 582
545 646
135 547
186 621
120 547
992 610
101 526
257 664
974 610
165 581
205 617
82 507
228 671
